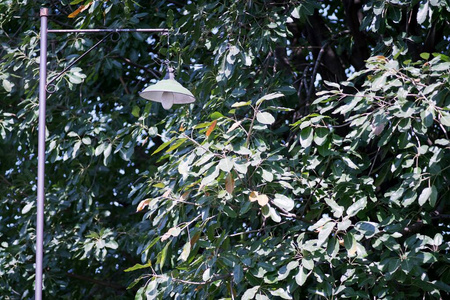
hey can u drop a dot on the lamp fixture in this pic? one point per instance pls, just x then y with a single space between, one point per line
168 92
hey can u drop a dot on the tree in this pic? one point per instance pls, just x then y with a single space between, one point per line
314 163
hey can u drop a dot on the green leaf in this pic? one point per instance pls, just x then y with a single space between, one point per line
284 202
211 175
306 137
425 195
7 85
175 145
241 167
301 276
86 140
107 154
320 135
265 118
269 97
273 214
138 267
409 197
350 244
229 211
206 274
238 273
163 146
325 232
169 19
308 263
226 164
216 115
344 225
332 247
261 297
357 207
250 293
163 256
280 292
27 207
112 244
379 82
369 229
100 148
445 120
336 208
438 239
239 92
136 111
267 176
443 66
422 13
74 78
241 104
350 163
186 251
433 196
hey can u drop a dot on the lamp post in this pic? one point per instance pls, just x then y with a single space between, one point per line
167 92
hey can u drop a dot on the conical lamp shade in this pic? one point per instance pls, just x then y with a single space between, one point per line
168 92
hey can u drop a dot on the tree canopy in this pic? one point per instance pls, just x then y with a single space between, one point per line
314 163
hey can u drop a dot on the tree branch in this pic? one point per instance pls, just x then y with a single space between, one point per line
128 61
209 281
98 282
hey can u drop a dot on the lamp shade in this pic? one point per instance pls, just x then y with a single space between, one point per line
168 92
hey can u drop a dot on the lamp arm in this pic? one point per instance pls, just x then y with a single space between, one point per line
50 82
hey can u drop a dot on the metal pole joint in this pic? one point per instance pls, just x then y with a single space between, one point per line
44 12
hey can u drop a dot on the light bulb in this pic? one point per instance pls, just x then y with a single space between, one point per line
167 99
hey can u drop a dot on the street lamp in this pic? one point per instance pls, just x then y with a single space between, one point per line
167 92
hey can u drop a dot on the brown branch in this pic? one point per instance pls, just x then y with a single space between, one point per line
417 226
209 281
128 61
257 230
124 85
98 282
5 180
318 60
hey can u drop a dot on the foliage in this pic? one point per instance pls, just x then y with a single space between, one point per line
314 163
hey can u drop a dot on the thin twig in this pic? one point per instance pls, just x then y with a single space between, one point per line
139 66
213 279
124 85
257 230
99 282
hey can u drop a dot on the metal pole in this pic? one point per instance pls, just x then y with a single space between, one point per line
41 155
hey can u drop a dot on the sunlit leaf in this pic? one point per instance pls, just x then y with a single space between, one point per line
250 293
301 276
262 199
185 252
226 164
284 202
425 195
265 118
143 204
269 97
241 104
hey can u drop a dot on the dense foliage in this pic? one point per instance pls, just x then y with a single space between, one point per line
314 163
